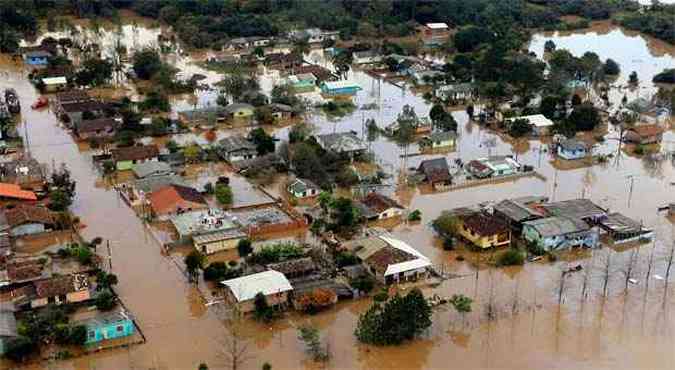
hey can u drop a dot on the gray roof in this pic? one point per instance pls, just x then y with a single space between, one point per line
573 145
236 143
277 107
145 169
619 223
517 209
574 208
301 185
7 320
554 226
341 142
203 113
105 319
153 183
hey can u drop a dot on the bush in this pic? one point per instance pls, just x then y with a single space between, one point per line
105 301
18 349
244 247
78 335
224 194
511 257
263 312
363 284
343 259
218 271
535 249
415 215
316 300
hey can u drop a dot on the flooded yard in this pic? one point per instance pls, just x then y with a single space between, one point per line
530 329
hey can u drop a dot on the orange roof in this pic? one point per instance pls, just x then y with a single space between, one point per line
15 191
171 197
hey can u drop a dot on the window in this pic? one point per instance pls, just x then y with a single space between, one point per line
91 334
120 328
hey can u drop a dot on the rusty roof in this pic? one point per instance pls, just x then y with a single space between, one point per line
26 270
61 285
647 130
379 203
135 153
25 213
166 198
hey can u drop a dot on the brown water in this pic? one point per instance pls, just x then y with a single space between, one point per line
531 330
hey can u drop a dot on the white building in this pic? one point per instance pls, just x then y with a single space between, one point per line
242 290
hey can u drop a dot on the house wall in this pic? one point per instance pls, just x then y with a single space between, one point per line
389 213
114 330
28 229
410 275
234 157
37 61
54 87
571 154
482 241
217 246
80 296
249 306
557 242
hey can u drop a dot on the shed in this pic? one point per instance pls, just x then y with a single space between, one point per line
237 148
572 149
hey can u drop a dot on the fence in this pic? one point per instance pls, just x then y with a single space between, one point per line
494 180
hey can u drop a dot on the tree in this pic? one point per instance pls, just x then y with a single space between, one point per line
262 312
94 72
105 280
203 366
59 200
78 335
105 301
264 142
266 366
146 63
469 38
224 194
244 247
344 214
20 348
633 78
9 40
461 303
312 339
549 106
519 127
584 117
511 257
236 85
191 152
549 46
446 225
399 319
193 263
407 121
611 68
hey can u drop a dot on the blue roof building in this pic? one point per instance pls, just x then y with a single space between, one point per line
113 325
37 58
334 88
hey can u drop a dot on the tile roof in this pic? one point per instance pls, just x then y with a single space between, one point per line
154 183
435 170
25 213
83 106
61 285
94 125
166 198
72 96
15 192
574 208
483 224
135 153
379 203
25 270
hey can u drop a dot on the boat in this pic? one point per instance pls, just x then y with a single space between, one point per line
12 100
40 103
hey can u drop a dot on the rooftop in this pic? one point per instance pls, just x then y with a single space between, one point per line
618 223
153 183
236 143
94 125
435 169
166 198
553 226
135 153
341 84
25 213
517 209
267 282
203 222
437 26
484 225
341 142
379 203
573 145
647 130
387 255
146 169
574 208
61 285
537 120
15 192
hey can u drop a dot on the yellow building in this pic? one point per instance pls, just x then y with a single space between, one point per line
484 231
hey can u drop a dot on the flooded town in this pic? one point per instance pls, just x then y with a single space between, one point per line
257 184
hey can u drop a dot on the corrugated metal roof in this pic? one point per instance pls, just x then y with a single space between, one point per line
267 282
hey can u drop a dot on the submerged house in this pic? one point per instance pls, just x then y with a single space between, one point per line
541 125
125 158
175 199
26 172
337 88
518 210
559 232
302 83
644 134
376 206
436 172
439 140
242 290
99 128
622 229
578 209
236 148
303 188
492 167
484 231
25 219
342 143
572 149
210 230
108 325
60 290
435 34
390 260
239 110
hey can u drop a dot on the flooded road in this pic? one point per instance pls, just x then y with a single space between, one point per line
530 330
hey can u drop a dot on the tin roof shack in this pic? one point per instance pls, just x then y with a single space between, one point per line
577 209
60 290
541 125
342 143
644 134
210 230
207 116
435 34
125 158
25 219
303 188
8 329
484 231
20 271
108 325
95 129
439 140
242 291
294 268
26 172
390 260
151 169
283 61
376 206
558 233
518 210
436 172
572 149
236 148
175 199
622 229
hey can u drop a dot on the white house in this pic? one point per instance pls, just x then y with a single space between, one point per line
242 290
302 188
540 124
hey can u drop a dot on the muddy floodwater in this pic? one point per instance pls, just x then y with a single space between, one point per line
629 329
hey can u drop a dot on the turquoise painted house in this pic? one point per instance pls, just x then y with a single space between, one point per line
112 325
335 88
